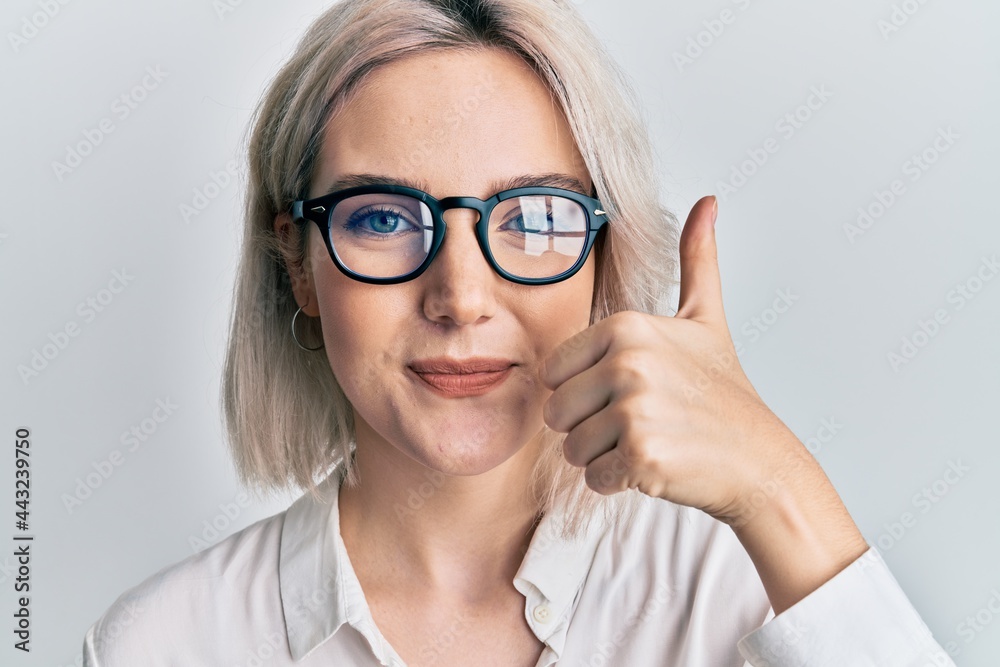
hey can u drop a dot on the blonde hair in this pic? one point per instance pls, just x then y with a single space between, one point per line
287 420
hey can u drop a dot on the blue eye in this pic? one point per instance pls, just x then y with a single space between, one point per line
378 221
519 225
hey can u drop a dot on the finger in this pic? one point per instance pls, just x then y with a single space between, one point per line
608 473
591 438
575 400
575 355
701 285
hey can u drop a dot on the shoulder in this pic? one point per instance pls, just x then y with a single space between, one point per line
165 617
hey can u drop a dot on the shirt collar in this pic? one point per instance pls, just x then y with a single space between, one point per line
553 571
310 569
320 591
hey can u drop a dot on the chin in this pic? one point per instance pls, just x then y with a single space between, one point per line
463 459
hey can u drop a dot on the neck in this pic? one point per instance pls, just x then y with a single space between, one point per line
407 525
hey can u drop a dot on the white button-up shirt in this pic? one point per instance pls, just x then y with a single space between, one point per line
674 587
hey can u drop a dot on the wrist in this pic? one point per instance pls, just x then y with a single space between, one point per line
800 537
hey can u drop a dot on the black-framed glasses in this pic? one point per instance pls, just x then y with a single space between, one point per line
387 234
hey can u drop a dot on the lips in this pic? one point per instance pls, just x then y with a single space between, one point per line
448 366
462 377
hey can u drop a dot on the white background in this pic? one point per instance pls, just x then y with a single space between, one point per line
62 237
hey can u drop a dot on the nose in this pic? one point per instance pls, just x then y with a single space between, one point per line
459 285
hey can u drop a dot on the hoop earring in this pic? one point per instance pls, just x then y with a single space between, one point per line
296 338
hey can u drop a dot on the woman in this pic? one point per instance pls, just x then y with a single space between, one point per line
513 456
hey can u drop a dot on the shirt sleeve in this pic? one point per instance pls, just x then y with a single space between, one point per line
859 617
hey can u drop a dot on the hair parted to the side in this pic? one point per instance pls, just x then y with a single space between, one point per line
287 420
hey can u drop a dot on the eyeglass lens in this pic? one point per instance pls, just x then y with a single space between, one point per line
389 235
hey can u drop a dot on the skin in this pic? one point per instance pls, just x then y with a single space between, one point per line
456 556
655 403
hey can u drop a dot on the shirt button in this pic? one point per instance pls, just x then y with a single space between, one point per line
542 613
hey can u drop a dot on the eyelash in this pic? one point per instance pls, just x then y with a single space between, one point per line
355 221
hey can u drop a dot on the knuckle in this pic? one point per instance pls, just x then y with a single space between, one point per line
634 456
629 368
640 453
638 412
629 320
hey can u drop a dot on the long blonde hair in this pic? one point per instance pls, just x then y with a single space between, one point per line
287 420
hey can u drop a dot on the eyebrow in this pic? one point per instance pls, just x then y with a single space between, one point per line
551 180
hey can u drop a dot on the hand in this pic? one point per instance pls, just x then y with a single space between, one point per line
661 403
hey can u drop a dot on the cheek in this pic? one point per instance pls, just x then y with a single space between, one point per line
563 310
345 317
364 331
576 301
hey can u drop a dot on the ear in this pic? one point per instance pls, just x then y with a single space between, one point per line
299 272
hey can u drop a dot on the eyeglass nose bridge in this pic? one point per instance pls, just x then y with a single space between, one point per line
483 210
478 205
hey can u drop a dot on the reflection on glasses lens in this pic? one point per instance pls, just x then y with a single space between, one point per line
537 236
390 235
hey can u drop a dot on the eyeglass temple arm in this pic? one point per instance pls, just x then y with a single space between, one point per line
297 210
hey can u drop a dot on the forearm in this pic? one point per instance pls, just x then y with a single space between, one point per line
797 532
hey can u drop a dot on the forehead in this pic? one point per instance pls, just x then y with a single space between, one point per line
456 121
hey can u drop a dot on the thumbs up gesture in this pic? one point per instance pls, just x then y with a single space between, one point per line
662 405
